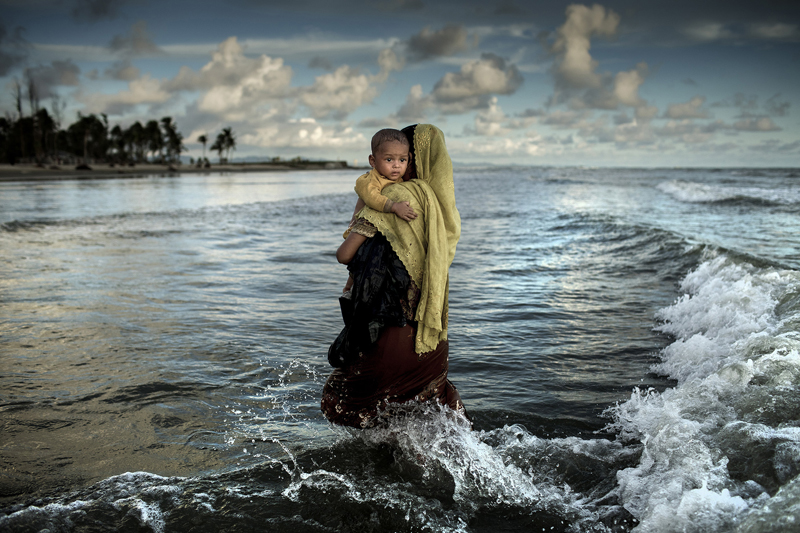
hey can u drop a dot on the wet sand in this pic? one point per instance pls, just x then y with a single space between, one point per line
30 172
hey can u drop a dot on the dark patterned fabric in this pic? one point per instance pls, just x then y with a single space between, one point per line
377 367
383 295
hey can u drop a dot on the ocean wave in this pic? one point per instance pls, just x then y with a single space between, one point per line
694 192
428 471
723 445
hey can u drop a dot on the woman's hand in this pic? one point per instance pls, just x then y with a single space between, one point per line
347 251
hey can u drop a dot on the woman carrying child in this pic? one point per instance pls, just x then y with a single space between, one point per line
393 348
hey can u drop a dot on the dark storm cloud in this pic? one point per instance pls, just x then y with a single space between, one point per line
320 62
13 49
444 42
136 42
122 70
96 10
58 73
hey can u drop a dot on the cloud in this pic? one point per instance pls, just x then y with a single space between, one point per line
305 133
58 73
777 108
400 5
233 85
444 42
13 49
341 92
564 119
122 70
776 146
646 113
756 124
577 81
749 105
338 93
775 31
145 90
690 109
458 92
137 42
389 61
489 121
96 10
574 67
710 31
413 109
707 31
626 85
320 62
531 113
689 132
509 8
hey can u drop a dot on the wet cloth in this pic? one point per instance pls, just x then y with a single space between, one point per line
375 351
427 244
388 373
393 348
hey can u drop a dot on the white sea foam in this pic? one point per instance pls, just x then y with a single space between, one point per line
693 192
731 352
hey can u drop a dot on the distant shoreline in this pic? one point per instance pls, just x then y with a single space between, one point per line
30 172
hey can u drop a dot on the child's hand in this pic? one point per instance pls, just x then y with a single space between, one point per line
404 211
348 285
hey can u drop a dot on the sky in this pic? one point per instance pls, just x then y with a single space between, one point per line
510 82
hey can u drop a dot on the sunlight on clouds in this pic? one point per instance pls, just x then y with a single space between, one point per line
488 82
626 85
690 109
458 92
305 133
145 90
338 93
489 121
576 68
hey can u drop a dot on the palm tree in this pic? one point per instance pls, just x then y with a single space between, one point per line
229 141
117 144
219 147
136 140
90 136
174 139
155 139
203 140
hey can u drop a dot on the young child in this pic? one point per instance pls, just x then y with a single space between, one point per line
389 160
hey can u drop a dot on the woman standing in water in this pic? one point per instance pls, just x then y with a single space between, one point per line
393 348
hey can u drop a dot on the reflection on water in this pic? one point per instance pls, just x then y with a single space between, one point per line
178 327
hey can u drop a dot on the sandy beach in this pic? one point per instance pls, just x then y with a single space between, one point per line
30 172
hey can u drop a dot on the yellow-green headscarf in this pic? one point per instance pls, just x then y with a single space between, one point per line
427 244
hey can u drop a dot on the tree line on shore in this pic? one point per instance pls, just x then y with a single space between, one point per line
39 138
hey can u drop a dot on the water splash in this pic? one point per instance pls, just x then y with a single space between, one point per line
720 445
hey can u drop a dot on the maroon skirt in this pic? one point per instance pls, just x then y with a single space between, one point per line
390 373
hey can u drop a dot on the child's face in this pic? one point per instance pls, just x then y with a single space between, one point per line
391 160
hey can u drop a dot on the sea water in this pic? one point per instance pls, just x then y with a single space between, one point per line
626 342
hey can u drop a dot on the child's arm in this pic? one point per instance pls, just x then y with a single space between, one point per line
369 193
359 206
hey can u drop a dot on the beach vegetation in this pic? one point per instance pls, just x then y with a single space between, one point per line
224 143
36 136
